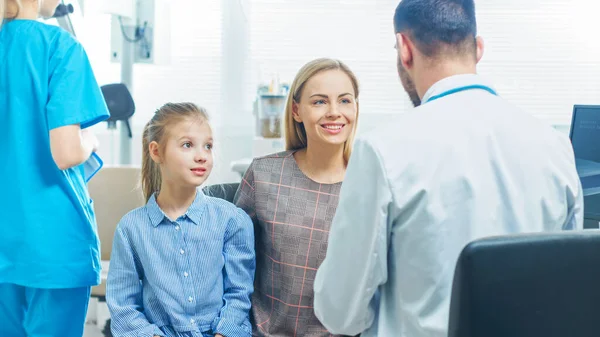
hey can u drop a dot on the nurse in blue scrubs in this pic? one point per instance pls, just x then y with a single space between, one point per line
49 249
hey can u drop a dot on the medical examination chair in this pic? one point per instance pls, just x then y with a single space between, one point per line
538 285
115 192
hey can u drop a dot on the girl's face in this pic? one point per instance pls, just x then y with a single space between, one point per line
185 157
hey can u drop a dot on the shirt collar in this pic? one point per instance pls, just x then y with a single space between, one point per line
197 207
453 82
194 212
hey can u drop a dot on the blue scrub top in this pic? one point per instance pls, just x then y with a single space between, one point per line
48 234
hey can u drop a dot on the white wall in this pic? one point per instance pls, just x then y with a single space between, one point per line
543 55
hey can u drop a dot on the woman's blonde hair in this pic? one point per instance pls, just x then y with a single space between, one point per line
155 131
2 11
295 133
18 4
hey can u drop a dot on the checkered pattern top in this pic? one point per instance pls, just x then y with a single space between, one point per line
292 215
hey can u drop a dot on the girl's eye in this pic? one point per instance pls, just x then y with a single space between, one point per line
187 145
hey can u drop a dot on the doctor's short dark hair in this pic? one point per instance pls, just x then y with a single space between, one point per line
438 27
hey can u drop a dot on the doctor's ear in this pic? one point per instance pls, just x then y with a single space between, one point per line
405 50
480 47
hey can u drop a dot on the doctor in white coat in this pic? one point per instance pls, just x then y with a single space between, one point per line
464 164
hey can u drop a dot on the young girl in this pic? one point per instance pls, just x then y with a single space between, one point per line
48 97
183 265
292 197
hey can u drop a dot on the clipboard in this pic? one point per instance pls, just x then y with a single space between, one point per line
92 166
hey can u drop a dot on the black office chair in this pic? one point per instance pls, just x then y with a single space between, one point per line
223 191
540 285
120 105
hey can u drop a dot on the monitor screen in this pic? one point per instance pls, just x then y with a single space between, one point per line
585 137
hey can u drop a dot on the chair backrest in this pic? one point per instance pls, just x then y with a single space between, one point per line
115 192
528 286
223 191
119 101
120 104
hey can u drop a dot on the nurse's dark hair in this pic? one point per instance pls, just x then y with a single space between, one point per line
155 131
438 27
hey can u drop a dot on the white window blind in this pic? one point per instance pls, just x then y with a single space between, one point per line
195 68
287 34
542 55
194 73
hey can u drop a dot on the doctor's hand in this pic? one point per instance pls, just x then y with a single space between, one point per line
218 335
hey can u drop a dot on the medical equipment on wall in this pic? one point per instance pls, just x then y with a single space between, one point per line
269 109
140 33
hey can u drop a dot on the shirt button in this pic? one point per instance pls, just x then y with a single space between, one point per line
192 321
190 299
181 251
177 227
186 274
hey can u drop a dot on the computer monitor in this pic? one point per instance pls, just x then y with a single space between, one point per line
585 138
